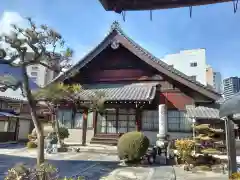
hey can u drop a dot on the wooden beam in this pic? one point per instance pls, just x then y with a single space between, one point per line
110 5
84 127
95 119
138 119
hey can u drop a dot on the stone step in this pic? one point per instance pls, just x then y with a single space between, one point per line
104 141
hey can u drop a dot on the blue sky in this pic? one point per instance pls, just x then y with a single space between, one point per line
84 23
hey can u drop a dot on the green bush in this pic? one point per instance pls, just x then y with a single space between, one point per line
235 176
206 160
184 148
31 145
211 151
63 132
132 146
191 160
44 171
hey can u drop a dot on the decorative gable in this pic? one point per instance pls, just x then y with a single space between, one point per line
120 39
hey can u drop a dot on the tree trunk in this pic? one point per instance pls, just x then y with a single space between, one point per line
33 107
84 127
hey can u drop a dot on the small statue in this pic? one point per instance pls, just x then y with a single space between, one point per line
186 167
51 140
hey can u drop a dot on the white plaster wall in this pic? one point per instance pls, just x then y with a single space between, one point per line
178 135
75 136
24 127
181 61
3 126
152 135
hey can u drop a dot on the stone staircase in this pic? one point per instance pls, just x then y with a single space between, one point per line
105 139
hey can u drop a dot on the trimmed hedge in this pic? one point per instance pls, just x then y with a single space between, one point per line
132 146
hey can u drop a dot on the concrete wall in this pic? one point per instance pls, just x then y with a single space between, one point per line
75 136
209 76
24 129
183 59
152 135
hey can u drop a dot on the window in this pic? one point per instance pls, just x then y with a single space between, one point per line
35 68
69 120
34 73
193 78
90 120
78 120
178 121
193 64
108 123
126 120
150 120
4 105
12 125
111 120
171 66
65 118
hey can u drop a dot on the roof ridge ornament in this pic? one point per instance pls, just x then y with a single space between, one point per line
115 25
115 44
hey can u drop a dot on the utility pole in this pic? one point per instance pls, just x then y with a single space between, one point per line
231 146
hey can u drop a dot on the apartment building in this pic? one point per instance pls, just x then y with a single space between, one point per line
217 82
40 74
191 62
231 86
194 64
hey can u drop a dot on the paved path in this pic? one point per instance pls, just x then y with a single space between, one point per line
94 166
90 169
184 175
163 173
90 165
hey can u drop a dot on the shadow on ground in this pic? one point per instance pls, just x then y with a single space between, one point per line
12 146
93 170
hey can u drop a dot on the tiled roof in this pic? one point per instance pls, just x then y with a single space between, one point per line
130 92
14 99
161 63
230 105
202 112
108 39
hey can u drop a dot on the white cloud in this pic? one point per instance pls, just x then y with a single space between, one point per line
9 18
6 20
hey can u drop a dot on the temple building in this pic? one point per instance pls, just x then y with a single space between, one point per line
142 93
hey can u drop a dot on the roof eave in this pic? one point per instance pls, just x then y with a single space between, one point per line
116 33
157 5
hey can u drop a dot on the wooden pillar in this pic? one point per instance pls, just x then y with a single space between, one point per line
117 120
17 129
95 119
138 119
84 127
231 146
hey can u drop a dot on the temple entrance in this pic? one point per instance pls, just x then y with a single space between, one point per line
116 121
